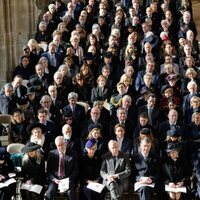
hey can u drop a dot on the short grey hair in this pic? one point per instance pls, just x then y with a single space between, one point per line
72 95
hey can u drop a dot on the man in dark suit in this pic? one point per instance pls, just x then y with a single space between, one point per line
171 123
7 99
125 144
19 89
72 142
57 101
146 167
92 121
54 59
57 169
42 76
152 110
122 119
50 133
78 111
115 170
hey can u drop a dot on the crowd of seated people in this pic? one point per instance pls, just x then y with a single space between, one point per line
136 68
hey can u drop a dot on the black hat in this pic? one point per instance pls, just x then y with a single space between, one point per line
25 47
145 131
172 76
30 91
92 126
173 146
144 90
36 125
152 39
174 132
22 101
88 56
29 147
4 154
35 82
90 143
165 88
107 54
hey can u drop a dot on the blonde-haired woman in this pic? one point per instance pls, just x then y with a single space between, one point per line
34 47
130 52
95 133
127 80
33 171
190 75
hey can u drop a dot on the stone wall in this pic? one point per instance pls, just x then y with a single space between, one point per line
18 20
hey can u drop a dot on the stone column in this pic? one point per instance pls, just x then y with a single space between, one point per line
18 21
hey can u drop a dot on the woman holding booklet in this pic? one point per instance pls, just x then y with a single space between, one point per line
7 189
176 171
90 163
33 172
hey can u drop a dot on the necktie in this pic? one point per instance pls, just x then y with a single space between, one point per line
52 60
61 169
114 161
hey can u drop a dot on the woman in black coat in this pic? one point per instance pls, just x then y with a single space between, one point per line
18 132
90 163
176 171
33 170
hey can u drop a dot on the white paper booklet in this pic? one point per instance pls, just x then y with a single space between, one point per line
63 185
7 182
32 187
137 185
97 187
178 189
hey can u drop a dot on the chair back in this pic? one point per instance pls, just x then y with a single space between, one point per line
16 156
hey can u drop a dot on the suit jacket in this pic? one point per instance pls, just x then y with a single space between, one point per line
22 89
87 123
78 114
46 80
78 117
7 105
164 127
97 92
140 82
71 166
122 168
148 168
186 101
57 57
129 127
155 117
126 145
